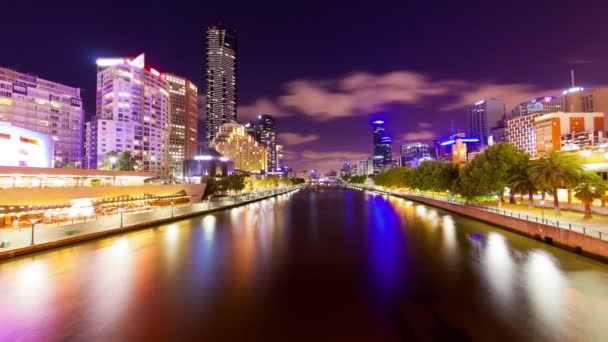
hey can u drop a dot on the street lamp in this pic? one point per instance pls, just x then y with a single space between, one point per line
33 222
113 161
171 208
121 211
542 208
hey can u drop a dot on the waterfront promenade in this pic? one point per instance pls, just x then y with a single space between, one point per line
18 241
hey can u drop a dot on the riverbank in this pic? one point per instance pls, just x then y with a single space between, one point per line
588 242
116 224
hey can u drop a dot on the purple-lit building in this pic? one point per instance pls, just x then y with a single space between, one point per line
444 148
382 146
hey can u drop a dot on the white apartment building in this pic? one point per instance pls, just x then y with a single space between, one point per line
133 113
46 107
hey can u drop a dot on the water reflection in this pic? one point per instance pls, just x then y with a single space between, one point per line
374 266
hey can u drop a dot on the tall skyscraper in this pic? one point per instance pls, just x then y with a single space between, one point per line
483 116
221 79
382 146
45 107
267 131
183 96
133 114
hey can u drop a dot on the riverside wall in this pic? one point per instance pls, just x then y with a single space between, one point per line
564 238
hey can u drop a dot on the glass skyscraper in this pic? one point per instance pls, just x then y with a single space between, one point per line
382 146
221 80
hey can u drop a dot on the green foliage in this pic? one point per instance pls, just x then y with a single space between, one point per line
123 161
589 188
394 178
491 171
433 175
357 179
212 185
557 170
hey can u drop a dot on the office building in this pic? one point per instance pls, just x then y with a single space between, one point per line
569 131
25 148
444 150
413 153
183 96
362 168
280 156
520 132
46 107
484 116
542 105
234 143
221 80
266 134
133 114
593 100
382 146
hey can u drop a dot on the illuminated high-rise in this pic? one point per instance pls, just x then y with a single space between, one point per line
183 96
382 146
221 80
42 106
133 114
483 116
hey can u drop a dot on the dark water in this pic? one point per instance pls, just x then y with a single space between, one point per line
325 265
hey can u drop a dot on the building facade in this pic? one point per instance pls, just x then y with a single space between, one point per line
266 134
520 132
221 79
484 116
133 114
183 96
362 168
234 143
542 105
382 146
413 153
593 100
555 131
45 107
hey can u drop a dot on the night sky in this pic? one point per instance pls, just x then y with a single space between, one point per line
327 69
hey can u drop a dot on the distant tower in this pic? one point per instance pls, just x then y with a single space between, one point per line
221 80
267 132
382 145
483 116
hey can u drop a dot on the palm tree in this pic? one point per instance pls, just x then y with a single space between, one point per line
590 188
520 183
557 170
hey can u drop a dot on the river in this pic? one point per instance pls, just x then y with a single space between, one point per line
324 264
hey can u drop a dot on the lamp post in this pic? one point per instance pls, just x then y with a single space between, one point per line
113 161
33 221
121 211
171 208
542 210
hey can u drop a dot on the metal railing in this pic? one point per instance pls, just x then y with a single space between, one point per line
514 214
15 238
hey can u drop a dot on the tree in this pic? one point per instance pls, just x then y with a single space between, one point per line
520 182
212 185
115 161
489 173
589 188
233 182
433 175
394 178
126 162
557 170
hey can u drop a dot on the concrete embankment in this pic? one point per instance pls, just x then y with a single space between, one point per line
126 228
567 239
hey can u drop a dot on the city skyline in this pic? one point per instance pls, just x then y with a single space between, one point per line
325 105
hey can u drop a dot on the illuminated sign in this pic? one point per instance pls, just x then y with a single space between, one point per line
106 62
479 102
155 72
25 148
378 122
450 142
